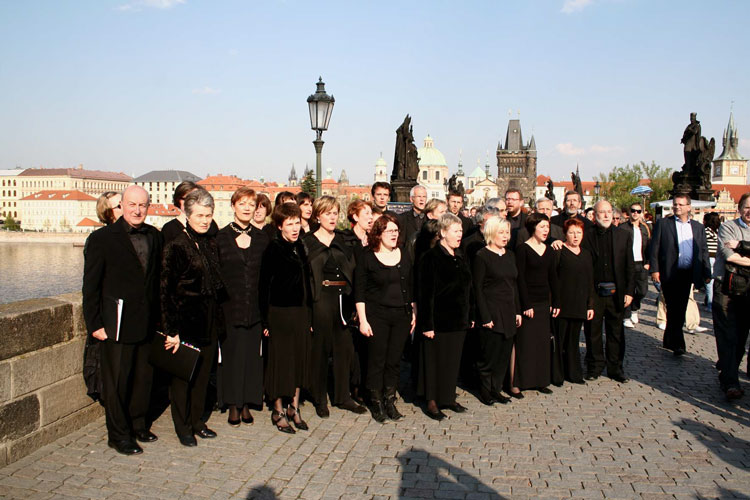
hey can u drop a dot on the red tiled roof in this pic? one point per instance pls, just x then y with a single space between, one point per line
735 190
59 195
86 222
78 173
163 210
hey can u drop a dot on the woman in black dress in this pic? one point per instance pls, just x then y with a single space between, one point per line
445 295
332 268
191 295
262 211
240 374
575 279
498 308
284 297
383 295
537 287
305 202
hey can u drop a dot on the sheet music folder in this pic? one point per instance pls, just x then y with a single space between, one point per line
180 364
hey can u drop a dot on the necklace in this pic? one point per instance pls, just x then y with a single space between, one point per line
237 229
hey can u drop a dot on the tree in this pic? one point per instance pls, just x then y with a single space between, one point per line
308 184
617 184
11 224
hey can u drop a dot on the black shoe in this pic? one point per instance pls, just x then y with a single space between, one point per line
188 440
145 436
733 393
247 419
391 411
545 390
294 416
486 399
517 395
206 433
234 423
322 411
353 407
619 378
125 447
277 418
435 415
591 376
557 384
679 352
580 382
456 407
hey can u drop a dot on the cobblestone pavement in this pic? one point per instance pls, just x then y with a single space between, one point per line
668 433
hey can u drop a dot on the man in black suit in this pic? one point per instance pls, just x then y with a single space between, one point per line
455 204
612 252
516 216
412 220
572 204
636 227
679 258
121 309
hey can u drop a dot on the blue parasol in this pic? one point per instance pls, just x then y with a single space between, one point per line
641 191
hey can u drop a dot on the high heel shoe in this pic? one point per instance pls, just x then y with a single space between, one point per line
276 418
234 422
295 414
247 419
517 395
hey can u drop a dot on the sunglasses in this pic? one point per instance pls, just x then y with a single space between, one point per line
633 210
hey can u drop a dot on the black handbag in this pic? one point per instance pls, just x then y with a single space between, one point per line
736 280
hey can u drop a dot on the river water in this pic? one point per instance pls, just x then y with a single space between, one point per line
34 270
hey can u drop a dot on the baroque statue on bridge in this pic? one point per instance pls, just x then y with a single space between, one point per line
694 179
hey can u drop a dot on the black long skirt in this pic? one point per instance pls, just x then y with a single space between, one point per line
288 366
240 374
533 350
440 363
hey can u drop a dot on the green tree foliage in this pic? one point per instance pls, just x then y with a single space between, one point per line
11 224
308 184
617 184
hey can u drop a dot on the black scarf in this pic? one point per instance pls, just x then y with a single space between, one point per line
206 242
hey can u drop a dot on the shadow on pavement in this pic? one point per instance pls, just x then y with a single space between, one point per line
425 474
731 449
261 493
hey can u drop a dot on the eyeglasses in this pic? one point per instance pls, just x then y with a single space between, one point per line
118 207
391 231
633 210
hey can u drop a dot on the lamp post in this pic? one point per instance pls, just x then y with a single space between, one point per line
597 188
321 106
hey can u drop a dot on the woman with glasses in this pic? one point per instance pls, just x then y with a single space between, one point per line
108 207
383 295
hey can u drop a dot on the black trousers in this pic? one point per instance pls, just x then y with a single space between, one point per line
330 339
494 359
126 387
676 296
607 315
731 315
390 329
441 360
566 357
189 398
640 276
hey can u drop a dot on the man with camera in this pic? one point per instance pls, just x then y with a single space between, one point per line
731 300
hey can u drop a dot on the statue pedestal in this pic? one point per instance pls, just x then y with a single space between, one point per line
401 189
704 194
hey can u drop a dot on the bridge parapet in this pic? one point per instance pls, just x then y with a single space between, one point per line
42 394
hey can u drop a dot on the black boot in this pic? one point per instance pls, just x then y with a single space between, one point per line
376 406
390 404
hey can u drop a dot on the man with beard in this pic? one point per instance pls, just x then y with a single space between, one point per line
612 253
516 216
572 209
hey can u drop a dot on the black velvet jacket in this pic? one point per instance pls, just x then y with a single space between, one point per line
240 270
318 253
190 306
284 277
445 291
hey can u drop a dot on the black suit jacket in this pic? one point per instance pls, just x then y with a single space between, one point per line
664 251
622 255
645 238
112 271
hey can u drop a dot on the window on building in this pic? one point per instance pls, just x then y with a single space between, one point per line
424 175
437 175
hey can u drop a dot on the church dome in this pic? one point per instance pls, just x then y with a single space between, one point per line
381 162
429 156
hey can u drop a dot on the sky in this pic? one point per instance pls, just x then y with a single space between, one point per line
221 86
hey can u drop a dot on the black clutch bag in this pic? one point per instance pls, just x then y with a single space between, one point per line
180 364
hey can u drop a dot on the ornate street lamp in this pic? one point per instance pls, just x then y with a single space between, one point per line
597 188
321 107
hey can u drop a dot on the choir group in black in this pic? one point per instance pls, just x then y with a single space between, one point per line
297 310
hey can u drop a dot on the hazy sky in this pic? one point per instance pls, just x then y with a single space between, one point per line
220 86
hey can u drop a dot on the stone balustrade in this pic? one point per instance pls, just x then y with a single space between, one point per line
42 394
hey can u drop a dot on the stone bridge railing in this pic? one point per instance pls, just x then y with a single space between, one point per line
42 394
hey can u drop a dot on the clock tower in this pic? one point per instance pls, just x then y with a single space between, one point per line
730 167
